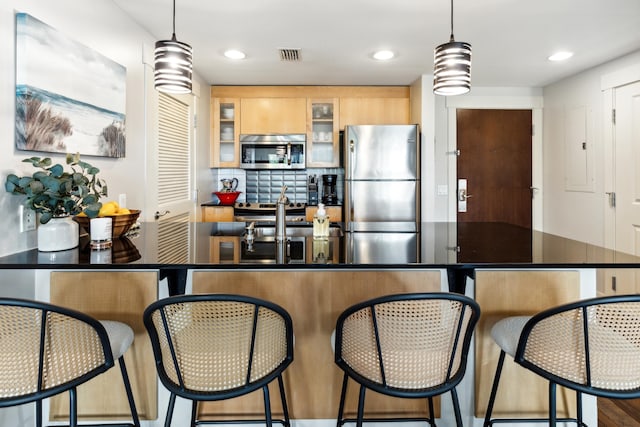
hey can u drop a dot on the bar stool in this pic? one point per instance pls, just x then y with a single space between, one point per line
591 346
46 350
405 345
210 347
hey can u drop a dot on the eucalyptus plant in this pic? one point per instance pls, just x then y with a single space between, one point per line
54 192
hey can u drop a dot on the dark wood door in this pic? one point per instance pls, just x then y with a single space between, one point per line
495 159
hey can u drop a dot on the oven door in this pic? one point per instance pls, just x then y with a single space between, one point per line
265 251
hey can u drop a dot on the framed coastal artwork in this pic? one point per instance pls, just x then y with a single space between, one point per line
69 98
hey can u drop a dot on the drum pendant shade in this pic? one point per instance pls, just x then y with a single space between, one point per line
452 66
173 63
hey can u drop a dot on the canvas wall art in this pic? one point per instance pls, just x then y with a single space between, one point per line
69 98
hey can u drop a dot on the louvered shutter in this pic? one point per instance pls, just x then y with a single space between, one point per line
173 151
173 178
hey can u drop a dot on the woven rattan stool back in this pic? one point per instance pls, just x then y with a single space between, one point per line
405 345
411 343
592 346
45 350
211 347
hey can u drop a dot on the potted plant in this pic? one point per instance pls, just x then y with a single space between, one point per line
57 194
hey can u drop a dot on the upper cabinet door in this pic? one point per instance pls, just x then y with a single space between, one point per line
225 132
374 111
323 138
273 115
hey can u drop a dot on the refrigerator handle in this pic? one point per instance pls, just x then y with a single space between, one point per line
348 212
352 158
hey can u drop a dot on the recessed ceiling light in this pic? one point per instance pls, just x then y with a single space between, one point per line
234 54
560 56
383 55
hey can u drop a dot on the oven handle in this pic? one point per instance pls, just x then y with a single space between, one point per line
267 218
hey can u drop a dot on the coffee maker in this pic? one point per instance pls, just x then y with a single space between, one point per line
329 193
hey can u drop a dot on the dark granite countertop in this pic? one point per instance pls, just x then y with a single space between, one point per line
439 245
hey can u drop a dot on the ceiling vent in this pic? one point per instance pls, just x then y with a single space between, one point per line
290 55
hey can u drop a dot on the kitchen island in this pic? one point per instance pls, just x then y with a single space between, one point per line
517 272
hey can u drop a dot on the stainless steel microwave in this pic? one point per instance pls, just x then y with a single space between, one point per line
274 151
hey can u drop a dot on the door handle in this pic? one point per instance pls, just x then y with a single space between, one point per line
462 195
158 214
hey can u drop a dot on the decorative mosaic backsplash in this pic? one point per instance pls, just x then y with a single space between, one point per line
263 186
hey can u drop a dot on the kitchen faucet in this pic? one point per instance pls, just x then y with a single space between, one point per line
281 216
249 236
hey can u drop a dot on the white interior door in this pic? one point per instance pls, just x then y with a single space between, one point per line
627 168
623 203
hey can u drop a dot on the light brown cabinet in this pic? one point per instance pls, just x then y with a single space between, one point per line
323 251
334 212
217 213
120 296
224 249
374 111
323 142
520 293
225 134
314 299
320 112
273 115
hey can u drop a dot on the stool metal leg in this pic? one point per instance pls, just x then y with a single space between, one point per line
194 413
343 394
172 404
38 413
552 404
579 407
283 398
127 387
432 422
267 406
494 390
73 407
360 407
456 407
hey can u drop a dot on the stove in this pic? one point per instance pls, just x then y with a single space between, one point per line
252 211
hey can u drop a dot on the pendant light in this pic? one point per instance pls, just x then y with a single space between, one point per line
173 63
452 66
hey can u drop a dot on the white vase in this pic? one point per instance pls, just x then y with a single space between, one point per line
58 234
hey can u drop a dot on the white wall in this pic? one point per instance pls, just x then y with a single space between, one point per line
102 26
576 214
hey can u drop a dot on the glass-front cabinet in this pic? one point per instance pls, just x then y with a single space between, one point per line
225 132
323 142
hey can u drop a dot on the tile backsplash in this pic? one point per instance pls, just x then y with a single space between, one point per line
263 186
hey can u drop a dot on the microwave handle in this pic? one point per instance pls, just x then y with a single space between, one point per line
289 154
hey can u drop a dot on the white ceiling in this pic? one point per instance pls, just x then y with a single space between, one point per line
511 39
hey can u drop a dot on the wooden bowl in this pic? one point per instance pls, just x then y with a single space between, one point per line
120 223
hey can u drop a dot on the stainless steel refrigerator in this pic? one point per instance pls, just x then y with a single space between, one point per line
382 189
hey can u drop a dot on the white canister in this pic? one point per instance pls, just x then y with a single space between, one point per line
100 233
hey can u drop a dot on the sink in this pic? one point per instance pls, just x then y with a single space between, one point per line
295 231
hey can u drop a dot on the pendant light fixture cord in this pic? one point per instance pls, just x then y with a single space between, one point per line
174 20
451 38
